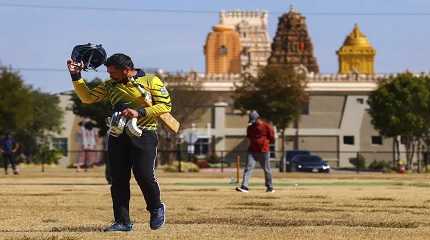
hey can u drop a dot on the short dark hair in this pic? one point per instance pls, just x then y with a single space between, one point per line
120 61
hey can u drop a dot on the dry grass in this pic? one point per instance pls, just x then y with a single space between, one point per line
61 204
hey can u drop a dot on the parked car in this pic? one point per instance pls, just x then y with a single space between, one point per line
309 163
291 154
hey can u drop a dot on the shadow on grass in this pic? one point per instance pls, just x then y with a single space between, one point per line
33 194
376 199
43 238
254 204
267 197
93 228
267 222
290 209
72 229
53 184
310 196
192 190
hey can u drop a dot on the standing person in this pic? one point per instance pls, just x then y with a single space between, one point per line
8 148
127 152
260 134
87 137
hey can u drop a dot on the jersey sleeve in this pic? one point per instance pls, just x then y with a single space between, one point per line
161 102
87 95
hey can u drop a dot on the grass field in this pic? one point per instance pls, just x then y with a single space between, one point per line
61 204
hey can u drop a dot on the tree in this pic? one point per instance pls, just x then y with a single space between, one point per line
277 93
15 101
47 118
30 114
98 112
399 107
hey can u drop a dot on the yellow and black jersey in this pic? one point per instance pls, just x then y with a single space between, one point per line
130 94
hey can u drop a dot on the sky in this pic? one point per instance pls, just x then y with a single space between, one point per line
37 37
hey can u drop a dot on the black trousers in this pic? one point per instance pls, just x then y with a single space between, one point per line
138 154
9 158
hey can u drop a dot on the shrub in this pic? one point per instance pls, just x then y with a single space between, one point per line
213 158
379 165
358 163
185 167
202 163
45 155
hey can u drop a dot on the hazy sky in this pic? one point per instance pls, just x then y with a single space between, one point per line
39 40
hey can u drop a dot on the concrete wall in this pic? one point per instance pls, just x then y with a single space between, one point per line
368 150
324 112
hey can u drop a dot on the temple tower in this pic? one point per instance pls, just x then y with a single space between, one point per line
222 51
292 44
357 54
254 37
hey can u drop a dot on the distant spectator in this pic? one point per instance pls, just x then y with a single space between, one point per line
8 148
260 134
87 155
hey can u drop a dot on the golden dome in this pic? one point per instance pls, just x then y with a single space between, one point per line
356 54
356 38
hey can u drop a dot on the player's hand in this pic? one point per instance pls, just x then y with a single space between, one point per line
74 67
130 113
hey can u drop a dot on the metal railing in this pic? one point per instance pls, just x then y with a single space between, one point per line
229 159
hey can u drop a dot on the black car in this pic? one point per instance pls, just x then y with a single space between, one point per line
289 155
309 163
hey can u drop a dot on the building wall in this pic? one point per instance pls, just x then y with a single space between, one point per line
331 117
368 149
324 112
234 120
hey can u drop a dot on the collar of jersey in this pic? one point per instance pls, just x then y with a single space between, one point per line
140 73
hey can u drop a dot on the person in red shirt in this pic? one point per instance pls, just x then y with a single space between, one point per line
260 135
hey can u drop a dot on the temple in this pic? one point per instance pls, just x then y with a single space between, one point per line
357 54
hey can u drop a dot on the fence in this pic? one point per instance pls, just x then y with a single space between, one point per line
225 159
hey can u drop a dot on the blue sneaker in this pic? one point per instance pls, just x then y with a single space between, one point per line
119 227
158 217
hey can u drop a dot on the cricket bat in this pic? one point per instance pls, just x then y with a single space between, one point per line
166 118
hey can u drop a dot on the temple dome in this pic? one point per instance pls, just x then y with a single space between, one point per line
357 39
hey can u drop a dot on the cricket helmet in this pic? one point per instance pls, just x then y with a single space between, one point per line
92 55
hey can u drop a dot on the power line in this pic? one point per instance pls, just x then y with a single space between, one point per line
153 10
33 69
189 11
39 69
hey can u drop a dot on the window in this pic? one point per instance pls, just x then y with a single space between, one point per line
272 151
377 140
360 100
348 140
305 108
60 144
223 51
201 147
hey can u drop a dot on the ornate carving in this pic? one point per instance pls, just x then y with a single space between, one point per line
292 44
